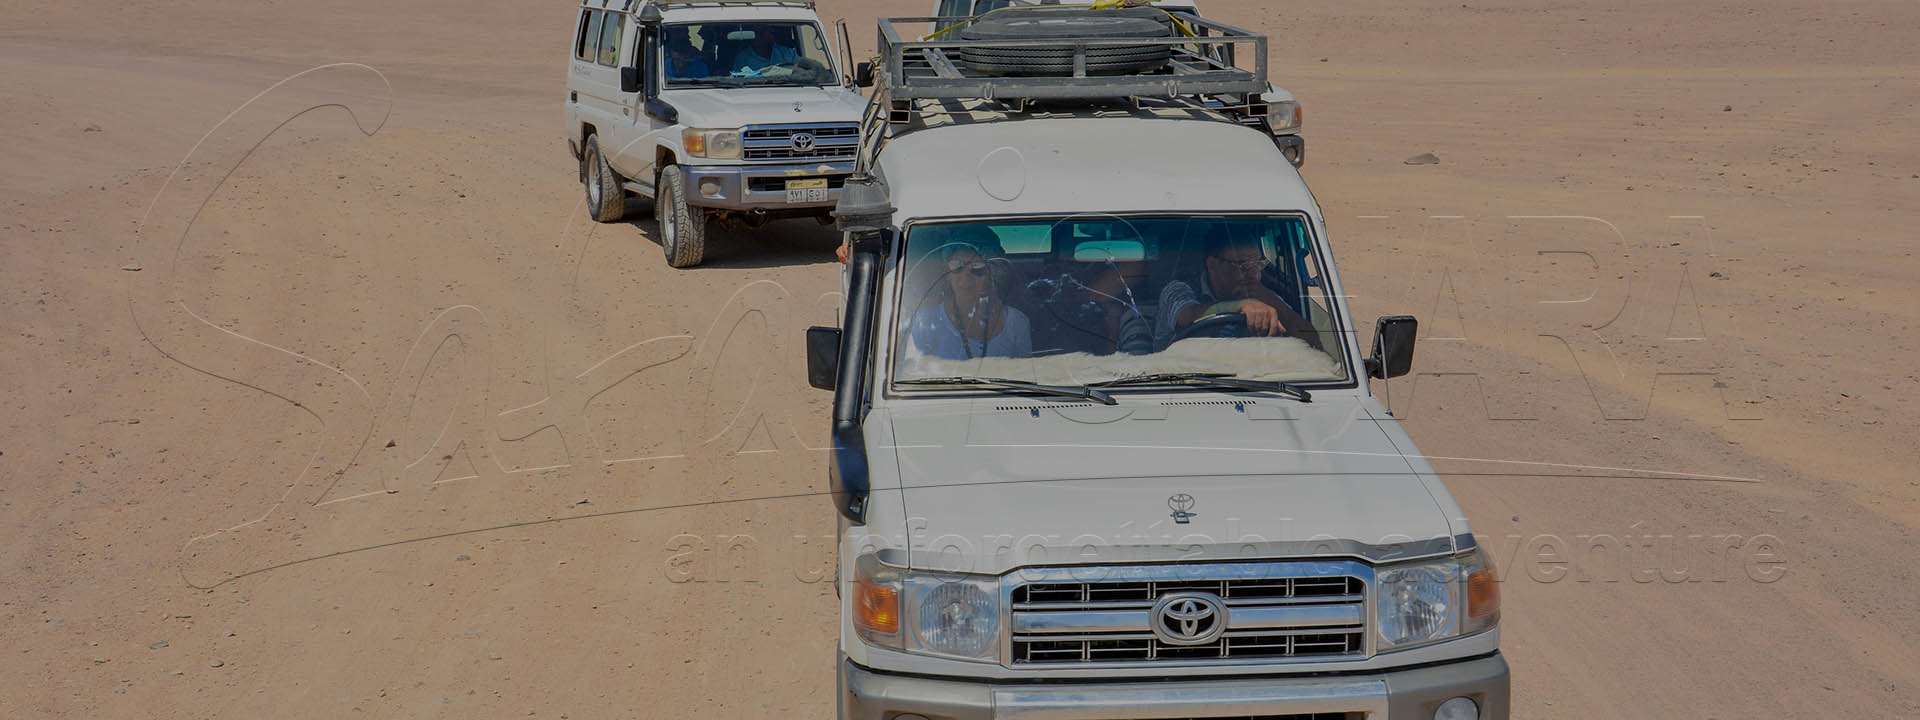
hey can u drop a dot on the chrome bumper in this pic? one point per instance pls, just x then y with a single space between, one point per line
732 185
1389 695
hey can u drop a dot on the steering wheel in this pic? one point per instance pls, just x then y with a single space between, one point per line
1217 325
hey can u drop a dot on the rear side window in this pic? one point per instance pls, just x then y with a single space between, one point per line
610 40
587 46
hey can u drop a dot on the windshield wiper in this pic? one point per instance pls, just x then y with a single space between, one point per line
1073 391
1211 378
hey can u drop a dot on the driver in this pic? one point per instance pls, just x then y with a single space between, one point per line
970 319
683 61
762 52
1229 283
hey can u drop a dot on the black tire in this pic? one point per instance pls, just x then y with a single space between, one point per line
1058 60
606 198
1044 22
683 227
1105 54
1046 69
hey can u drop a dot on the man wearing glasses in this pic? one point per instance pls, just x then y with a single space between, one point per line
1229 282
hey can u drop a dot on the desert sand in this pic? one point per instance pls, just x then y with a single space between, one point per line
325 399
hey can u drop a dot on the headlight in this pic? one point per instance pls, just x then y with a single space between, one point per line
958 617
1416 604
1429 602
718 144
1284 117
947 614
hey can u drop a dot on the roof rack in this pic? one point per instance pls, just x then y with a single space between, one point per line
672 4
1201 67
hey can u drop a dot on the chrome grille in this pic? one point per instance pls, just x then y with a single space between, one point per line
1316 616
776 142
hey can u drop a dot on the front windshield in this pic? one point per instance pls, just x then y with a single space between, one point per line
751 53
1094 298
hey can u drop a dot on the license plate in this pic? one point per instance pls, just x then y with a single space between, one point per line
804 191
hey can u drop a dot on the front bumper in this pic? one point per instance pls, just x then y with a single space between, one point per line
1408 694
760 187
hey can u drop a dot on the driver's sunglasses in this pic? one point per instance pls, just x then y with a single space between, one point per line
977 267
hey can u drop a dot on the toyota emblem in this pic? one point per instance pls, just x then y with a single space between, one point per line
1194 618
1180 505
803 142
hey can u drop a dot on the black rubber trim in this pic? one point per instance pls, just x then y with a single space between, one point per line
662 110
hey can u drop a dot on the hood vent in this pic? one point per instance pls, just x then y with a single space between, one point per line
1035 409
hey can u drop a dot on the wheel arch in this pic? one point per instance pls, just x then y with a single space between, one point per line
663 156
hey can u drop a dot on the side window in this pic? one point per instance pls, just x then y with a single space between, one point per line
610 40
580 36
590 36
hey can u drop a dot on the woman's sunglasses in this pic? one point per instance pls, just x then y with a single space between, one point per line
977 267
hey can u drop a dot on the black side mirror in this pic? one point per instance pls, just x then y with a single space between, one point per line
630 79
1392 346
863 75
823 357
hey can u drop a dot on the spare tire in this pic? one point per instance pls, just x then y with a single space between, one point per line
1053 60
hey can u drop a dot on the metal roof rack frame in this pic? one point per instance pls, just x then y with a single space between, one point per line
1201 66
1202 69
678 4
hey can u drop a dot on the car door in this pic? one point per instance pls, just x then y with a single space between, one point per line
595 96
599 50
635 155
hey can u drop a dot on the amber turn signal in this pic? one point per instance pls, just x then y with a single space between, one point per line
1483 593
876 607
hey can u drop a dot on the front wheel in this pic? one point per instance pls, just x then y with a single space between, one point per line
683 227
606 199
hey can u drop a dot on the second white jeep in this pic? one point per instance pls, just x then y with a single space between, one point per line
721 112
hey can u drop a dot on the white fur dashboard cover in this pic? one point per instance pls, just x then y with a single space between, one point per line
1281 359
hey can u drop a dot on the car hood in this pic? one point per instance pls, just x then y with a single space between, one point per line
734 107
992 485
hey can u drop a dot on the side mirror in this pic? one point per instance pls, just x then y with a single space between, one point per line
630 79
1293 148
863 75
1392 346
823 357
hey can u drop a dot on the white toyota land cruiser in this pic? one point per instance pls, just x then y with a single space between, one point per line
727 111
1103 440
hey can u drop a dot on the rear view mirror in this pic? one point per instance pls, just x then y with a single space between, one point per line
823 357
1393 337
863 75
630 79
